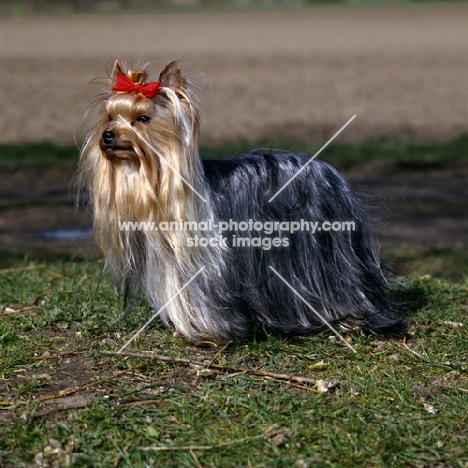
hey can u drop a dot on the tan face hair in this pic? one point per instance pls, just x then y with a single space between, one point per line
137 157
120 111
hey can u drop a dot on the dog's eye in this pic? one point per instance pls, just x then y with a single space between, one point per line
143 119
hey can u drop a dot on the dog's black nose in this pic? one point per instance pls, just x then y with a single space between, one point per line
107 137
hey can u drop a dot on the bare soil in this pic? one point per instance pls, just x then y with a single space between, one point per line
425 206
300 74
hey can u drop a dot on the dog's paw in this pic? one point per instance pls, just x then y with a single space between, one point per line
179 336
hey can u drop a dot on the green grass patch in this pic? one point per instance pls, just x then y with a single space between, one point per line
337 153
37 153
439 262
400 402
348 154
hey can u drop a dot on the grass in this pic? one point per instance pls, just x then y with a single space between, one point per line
409 154
399 402
37 153
347 154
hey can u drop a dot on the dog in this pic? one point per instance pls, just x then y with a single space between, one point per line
225 249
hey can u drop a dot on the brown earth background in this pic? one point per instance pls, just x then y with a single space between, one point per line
289 75
301 74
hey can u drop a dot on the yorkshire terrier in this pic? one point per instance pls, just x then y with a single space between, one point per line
225 249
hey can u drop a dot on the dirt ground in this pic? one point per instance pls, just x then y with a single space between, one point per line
275 75
299 74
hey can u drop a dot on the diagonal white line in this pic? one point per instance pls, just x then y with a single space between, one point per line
162 159
312 158
161 309
312 309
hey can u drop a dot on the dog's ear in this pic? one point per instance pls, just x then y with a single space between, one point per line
171 76
117 68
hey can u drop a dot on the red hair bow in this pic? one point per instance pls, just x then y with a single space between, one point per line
125 85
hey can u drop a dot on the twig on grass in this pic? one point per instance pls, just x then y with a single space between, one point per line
217 354
68 392
71 391
195 458
28 267
217 367
450 387
64 353
9 311
124 404
415 353
269 433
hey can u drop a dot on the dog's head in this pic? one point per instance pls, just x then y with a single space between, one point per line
139 117
145 141
127 113
141 152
